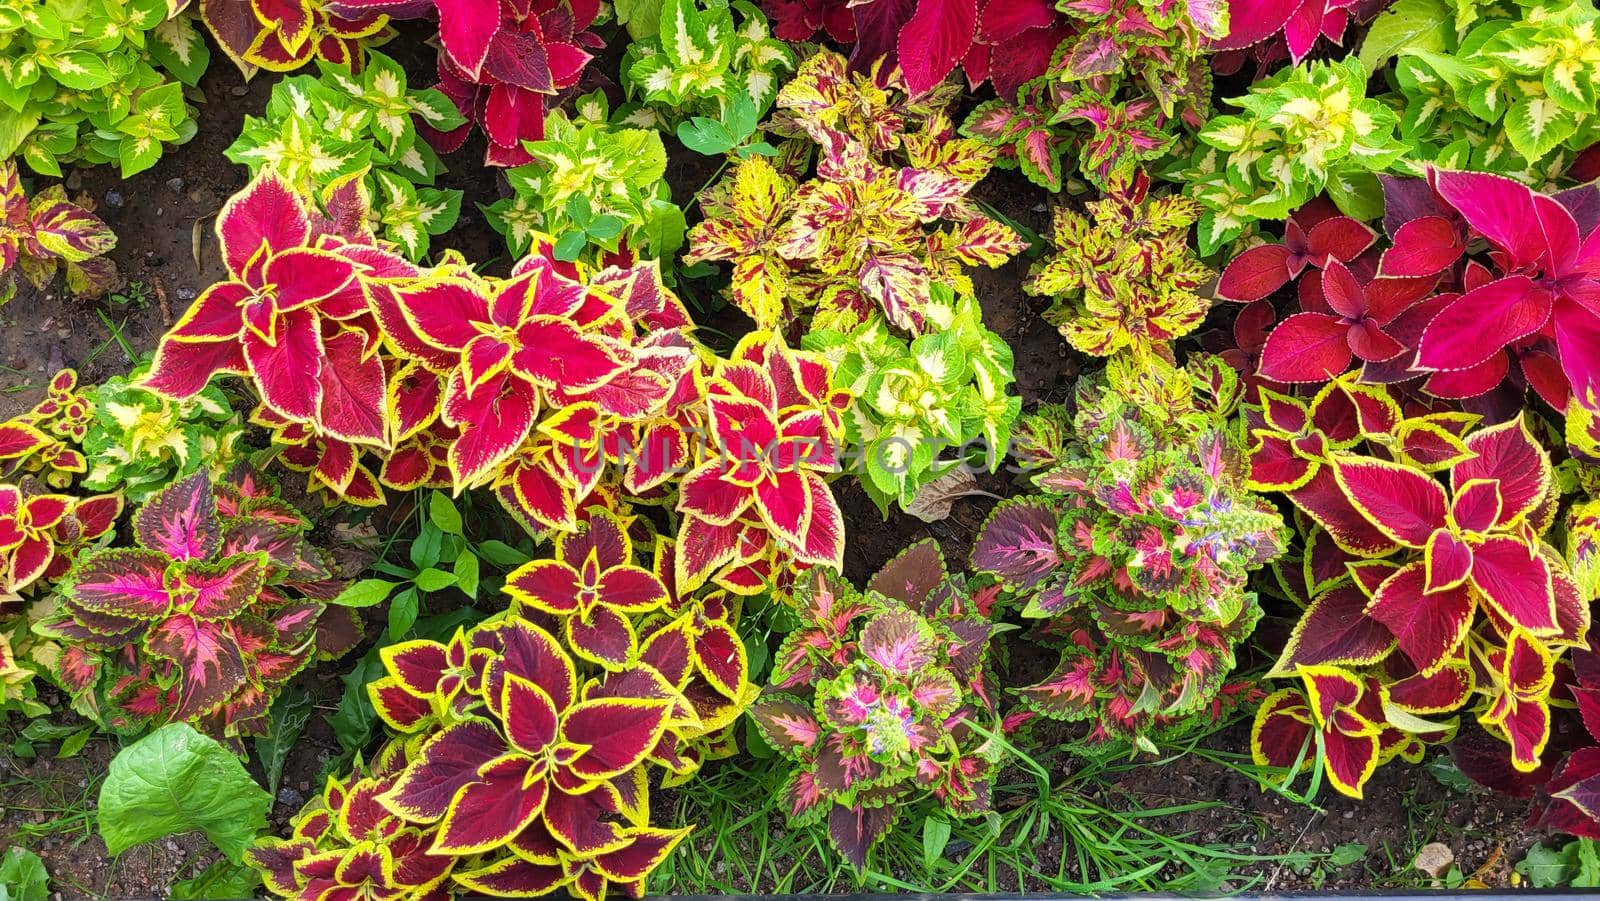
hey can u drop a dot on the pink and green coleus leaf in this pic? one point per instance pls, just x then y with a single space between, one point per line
181 521
1018 543
788 724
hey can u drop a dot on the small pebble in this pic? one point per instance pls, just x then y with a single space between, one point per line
238 90
289 796
186 294
74 180
176 184
114 199
1434 859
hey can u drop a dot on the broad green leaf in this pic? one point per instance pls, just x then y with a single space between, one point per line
23 876
501 554
1407 25
442 512
1545 867
935 836
643 17
466 574
402 613
354 720
425 547
290 713
432 579
176 780
364 593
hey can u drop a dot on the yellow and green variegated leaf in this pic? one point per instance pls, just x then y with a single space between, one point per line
1537 125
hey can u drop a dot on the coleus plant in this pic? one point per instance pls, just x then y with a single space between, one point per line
48 234
42 442
344 840
1123 77
284 36
757 490
293 317
77 85
320 131
1124 279
598 186
218 602
1275 28
1513 94
591 586
942 399
883 697
865 233
1494 327
503 62
530 772
141 441
41 534
1305 130
1544 290
1447 596
1009 41
1137 554
699 61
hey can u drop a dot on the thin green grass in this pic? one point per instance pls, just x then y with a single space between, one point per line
1057 833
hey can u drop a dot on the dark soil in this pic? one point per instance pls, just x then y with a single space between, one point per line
164 219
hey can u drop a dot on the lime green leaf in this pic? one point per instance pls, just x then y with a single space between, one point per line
443 513
176 780
1407 25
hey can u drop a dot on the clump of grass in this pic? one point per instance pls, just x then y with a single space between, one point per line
1047 832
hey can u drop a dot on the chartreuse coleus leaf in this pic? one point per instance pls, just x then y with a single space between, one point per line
1307 129
319 131
926 404
77 86
1124 279
617 171
704 58
176 780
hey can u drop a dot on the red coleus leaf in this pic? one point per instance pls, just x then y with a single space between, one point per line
1404 504
1424 246
1550 270
1256 273
934 40
1482 321
1336 629
447 763
1429 626
1515 580
1282 732
1306 347
617 732
1507 455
